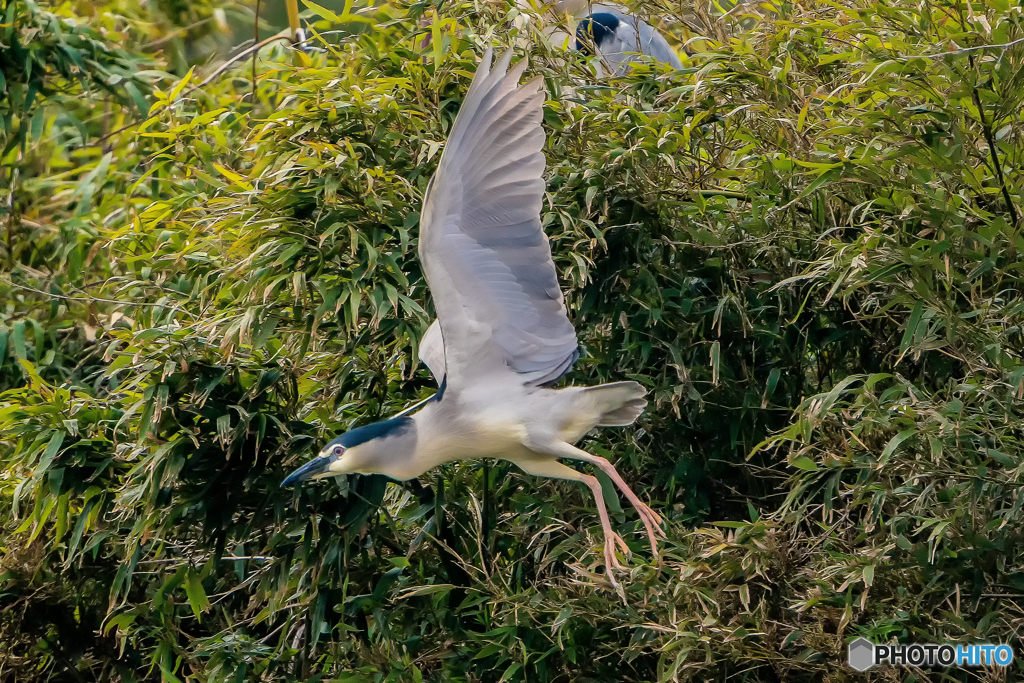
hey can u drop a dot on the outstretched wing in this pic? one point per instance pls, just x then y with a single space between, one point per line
486 259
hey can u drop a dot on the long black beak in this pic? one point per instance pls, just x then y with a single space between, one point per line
317 465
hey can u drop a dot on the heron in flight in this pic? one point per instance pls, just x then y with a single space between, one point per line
502 336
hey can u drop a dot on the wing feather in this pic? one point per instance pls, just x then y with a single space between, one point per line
432 351
485 255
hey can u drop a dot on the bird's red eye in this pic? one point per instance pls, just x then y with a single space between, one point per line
338 450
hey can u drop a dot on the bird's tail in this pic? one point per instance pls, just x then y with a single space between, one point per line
618 404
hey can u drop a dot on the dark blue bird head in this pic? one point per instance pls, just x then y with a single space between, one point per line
332 460
595 30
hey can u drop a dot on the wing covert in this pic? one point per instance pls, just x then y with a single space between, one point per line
432 351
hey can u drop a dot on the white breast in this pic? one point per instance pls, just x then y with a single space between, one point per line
485 421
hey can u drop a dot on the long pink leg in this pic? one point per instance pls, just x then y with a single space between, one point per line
651 519
556 470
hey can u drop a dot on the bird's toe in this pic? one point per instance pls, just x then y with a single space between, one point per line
611 560
622 546
653 521
653 516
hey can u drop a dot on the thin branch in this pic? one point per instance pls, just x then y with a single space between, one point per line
10 217
93 299
966 50
178 33
986 129
226 558
256 41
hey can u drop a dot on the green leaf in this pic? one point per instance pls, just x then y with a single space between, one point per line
52 448
488 650
804 463
322 12
911 329
18 336
773 381
894 443
197 599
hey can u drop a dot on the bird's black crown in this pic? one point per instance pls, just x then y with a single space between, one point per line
596 29
378 430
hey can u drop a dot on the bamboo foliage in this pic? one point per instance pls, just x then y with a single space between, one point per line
805 243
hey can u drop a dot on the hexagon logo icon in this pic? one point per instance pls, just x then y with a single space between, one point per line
861 654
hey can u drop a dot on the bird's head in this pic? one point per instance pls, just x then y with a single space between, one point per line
364 450
595 30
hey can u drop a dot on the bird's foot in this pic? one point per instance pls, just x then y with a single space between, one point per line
652 522
611 561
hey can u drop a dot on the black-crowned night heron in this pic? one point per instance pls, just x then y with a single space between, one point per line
502 335
621 37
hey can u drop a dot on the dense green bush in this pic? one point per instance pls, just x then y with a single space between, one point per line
806 243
